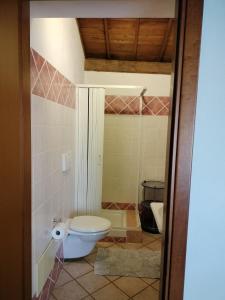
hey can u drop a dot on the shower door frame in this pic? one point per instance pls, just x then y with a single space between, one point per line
16 161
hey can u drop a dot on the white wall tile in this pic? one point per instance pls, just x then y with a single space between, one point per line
53 127
134 151
52 191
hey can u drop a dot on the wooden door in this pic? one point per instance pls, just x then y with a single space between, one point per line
15 151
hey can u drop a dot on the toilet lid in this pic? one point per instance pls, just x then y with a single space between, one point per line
89 224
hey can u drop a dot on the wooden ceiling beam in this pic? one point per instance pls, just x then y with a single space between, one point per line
136 38
107 38
106 65
165 39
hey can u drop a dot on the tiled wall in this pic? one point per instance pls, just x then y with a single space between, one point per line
57 64
135 141
49 83
133 105
121 158
53 276
52 117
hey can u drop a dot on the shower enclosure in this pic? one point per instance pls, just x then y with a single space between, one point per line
89 134
108 150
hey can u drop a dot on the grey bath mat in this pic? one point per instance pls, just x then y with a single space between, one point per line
127 262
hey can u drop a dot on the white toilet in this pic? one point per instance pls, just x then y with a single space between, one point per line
83 233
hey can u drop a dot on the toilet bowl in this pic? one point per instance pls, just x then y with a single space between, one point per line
83 233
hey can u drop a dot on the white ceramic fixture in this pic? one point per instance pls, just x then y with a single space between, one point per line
83 233
157 209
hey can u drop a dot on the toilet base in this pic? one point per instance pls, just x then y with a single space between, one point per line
74 247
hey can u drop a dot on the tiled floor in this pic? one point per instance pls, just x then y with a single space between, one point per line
77 279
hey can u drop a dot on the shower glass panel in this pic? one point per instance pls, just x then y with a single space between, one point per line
121 155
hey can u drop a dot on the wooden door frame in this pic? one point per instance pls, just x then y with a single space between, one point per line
189 14
15 151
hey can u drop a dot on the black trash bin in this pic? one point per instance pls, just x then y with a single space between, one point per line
152 192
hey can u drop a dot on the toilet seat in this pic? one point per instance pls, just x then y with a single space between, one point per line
89 224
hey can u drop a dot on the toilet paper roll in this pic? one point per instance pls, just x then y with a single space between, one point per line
59 232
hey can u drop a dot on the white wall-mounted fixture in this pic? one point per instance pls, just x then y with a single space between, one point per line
66 161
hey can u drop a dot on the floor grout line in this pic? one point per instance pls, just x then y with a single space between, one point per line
78 277
75 279
120 288
56 287
53 296
148 278
90 294
154 287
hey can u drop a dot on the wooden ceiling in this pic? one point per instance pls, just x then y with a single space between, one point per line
149 40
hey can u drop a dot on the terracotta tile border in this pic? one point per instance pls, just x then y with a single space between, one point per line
47 82
133 105
114 239
118 206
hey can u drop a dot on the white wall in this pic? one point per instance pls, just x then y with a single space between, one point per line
53 132
134 151
121 158
104 9
156 84
154 131
58 41
205 264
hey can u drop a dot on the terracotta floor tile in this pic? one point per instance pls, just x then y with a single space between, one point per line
149 280
156 285
156 246
116 245
158 236
147 294
92 282
78 268
63 278
130 285
112 278
132 245
104 244
94 250
110 292
134 236
145 248
69 291
99 287
147 238
91 258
